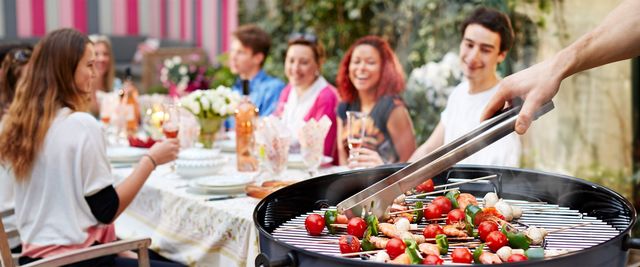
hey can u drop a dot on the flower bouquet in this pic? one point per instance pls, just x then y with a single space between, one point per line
211 107
182 78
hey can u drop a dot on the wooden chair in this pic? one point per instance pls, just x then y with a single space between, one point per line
142 245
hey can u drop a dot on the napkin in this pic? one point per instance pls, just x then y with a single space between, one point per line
312 134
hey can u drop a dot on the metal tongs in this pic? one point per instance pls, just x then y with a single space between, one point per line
378 197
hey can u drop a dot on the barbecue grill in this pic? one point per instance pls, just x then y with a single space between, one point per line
548 200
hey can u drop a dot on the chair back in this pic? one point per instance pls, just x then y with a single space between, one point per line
5 250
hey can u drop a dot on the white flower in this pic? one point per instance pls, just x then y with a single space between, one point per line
176 60
183 70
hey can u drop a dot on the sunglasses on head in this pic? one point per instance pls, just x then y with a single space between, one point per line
309 37
21 56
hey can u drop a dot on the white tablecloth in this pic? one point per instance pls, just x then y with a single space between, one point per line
186 228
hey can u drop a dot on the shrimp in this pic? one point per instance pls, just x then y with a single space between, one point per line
465 199
429 249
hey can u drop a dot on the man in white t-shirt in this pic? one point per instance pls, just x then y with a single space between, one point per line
487 36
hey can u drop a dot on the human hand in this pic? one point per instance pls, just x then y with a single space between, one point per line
366 158
165 151
535 85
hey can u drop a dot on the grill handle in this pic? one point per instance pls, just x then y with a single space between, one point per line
262 260
631 242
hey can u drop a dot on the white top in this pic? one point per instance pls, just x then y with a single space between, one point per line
50 204
462 115
7 203
298 106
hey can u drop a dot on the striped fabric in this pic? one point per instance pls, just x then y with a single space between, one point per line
206 23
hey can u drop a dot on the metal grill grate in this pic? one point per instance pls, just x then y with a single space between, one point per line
548 216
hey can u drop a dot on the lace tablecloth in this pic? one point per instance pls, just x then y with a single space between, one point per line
186 228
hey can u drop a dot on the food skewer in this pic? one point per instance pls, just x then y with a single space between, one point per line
434 192
467 181
568 227
358 253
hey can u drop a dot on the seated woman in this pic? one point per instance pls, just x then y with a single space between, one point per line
308 95
11 68
105 67
65 195
370 80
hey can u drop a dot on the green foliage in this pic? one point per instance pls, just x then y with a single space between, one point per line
420 31
220 74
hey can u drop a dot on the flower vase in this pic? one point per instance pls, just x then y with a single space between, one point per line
208 129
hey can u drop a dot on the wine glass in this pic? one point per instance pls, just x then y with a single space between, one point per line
311 152
355 130
171 121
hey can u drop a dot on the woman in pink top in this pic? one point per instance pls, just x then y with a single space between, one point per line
308 95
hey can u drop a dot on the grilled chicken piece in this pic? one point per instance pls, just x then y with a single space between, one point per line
455 230
400 199
397 207
401 259
389 230
489 258
465 199
429 249
379 242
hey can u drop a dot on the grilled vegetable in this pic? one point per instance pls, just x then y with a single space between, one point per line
419 213
453 197
477 252
372 222
330 217
443 244
412 251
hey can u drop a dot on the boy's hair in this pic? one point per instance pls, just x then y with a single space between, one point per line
254 37
493 20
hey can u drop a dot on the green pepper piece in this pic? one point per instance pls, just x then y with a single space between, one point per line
419 212
518 240
472 211
412 251
477 252
366 245
372 222
443 244
534 253
330 217
453 196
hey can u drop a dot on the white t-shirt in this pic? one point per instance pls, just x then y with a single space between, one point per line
50 204
7 203
297 106
462 115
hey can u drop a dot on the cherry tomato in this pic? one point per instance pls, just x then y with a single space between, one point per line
455 215
314 224
495 240
443 202
517 258
395 247
356 227
485 228
425 187
431 230
432 212
461 255
349 244
432 260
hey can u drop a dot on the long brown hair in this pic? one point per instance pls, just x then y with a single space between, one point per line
48 85
391 78
10 72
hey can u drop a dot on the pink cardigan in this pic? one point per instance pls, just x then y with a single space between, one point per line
326 104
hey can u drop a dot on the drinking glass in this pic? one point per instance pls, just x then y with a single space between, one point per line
171 121
311 152
355 130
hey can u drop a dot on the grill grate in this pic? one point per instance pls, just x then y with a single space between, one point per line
540 214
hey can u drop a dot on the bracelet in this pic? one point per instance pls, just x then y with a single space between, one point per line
153 161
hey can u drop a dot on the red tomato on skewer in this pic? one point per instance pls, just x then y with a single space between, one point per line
314 224
461 255
443 202
432 260
431 230
495 240
356 227
349 244
395 247
485 228
454 216
432 212
425 187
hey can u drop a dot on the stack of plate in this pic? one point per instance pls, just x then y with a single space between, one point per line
295 161
197 162
221 184
125 154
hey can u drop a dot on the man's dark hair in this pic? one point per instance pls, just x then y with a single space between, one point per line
493 20
254 37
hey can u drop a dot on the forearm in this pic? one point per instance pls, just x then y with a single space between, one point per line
130 187
616 38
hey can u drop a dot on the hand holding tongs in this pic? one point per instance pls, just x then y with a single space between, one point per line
378 197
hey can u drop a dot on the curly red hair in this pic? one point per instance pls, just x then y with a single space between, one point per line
391 77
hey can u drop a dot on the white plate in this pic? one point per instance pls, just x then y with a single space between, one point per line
221 184
198 154
296 162
125 154
198 168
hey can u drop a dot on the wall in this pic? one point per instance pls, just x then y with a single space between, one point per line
206 23
588 135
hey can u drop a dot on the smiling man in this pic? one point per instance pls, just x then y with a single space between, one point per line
487 36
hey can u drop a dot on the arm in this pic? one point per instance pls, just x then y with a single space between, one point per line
342 154
616 38
401 131
435 140
162 152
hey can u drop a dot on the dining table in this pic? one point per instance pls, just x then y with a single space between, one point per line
199 227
